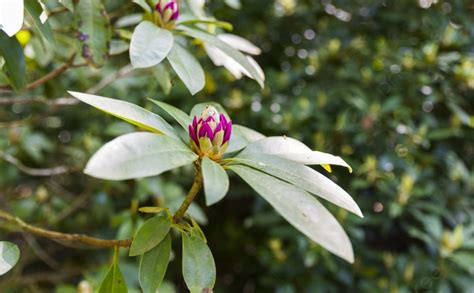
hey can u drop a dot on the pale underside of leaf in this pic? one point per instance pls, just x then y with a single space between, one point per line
137 155
216 181
302 176
301 210
294 150
129 112
149 45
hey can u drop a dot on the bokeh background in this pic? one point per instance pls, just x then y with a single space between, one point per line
387 85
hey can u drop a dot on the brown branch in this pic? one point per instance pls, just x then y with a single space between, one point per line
50 75
63 101
33 171
64 238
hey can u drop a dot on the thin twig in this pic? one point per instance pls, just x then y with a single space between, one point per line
33 171
58 102
124 71
64 238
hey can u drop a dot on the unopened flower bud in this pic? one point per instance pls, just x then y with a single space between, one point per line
210 133
168 11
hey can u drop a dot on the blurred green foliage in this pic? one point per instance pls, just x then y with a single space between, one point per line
387 85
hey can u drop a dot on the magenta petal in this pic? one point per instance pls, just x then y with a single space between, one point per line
222 119
158 7
192 134
202 130
228 132
218 127
195 122
175 15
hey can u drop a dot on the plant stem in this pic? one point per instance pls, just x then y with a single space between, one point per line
64 237
197 184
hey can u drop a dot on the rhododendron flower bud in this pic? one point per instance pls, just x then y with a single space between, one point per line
210 133
168 11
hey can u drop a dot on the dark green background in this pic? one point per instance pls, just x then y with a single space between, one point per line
390 90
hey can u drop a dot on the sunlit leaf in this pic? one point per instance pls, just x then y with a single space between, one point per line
137 155
226 49
301 210
291 149
149 45
129 112
301 176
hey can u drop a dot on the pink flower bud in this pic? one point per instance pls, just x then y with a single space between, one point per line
210 134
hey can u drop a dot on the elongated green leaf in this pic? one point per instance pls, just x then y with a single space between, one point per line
216 181
149 45
181 117
301 210
241 137
226 49
163 78
199 269
137 155
187 68
34 10
192 22
129 112
301 176
294 150
142 4
12 53
150 234
113 281
94 31
9 256
153 265
68 4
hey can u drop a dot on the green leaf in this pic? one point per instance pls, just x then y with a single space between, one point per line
301 210
142 4
199 269
187 68
226 49
153 265
137 155
149 45
291 149
241 137
216 181
94 30
9 256
150 210
181 117
129 112
163 78
12 53
302 176
113 281
223 24
68 4
34 10
150 234
464 259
